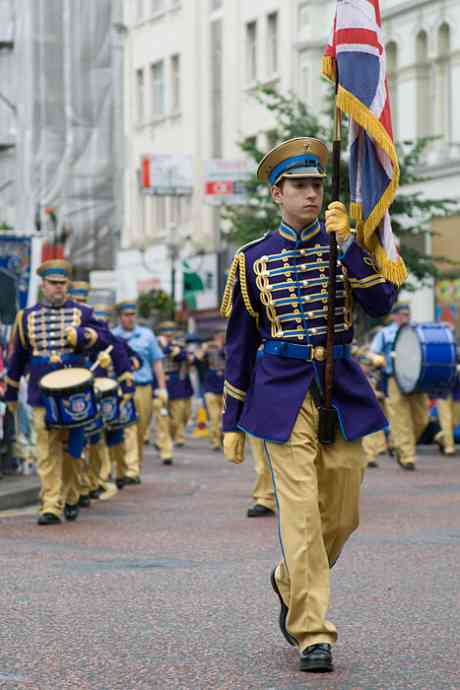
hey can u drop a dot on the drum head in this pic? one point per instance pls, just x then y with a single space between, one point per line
408 359
66 379
105 385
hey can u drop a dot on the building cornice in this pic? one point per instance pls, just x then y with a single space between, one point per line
408 6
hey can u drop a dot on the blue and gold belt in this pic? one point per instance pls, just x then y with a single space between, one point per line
309 353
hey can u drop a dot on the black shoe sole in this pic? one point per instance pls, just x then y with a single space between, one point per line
316 666
283 613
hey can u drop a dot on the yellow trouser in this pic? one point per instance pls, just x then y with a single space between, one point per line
214 403
179 415
162 431
317 492
99 463
135 434
373 445
263 489
449 417
408 416
84 479
58 471
117 457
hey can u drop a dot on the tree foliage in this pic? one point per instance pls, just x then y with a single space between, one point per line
411 212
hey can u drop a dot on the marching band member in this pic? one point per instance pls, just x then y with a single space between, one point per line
213 357
144 343
449 416
51 335
107 447
373 444
180 390
408 413
276 298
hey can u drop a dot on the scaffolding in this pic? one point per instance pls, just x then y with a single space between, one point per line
57 129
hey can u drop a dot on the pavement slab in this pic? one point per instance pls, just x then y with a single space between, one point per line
166 586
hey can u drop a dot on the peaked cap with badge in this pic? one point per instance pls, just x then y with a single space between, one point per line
55 270
295 158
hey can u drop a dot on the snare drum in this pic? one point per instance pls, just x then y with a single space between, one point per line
107 392
425 358
69 398
127 415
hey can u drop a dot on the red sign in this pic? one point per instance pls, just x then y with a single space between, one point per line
219 187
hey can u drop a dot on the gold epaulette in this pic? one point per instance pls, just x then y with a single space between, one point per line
239 262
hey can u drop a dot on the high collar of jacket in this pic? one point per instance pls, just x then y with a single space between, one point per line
304 235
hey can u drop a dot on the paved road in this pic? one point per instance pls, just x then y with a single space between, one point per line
166 586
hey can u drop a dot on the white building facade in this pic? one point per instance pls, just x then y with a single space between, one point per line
191 68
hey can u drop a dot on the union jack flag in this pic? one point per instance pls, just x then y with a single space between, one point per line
355 60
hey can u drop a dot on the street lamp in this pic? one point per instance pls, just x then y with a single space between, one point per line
173 248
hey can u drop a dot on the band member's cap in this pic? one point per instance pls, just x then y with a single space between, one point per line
55 270
79 291
167 327
102 312
126 307
294 158
401 308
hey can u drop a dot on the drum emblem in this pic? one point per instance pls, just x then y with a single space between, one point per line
77 406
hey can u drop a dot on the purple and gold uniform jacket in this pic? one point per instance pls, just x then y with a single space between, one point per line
40 344
120 368
176 367
214 376
276 295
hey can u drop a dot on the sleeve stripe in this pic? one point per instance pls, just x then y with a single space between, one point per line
234 392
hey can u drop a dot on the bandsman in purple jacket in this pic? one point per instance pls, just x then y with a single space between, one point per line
54 334
276 299
212 355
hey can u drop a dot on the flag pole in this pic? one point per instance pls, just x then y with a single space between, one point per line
327 416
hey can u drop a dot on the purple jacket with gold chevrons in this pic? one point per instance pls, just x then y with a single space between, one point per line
276 298
40 344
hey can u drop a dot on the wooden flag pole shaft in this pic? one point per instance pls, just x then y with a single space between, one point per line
327 422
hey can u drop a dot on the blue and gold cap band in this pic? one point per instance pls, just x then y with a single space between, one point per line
55 269
294 158
126 307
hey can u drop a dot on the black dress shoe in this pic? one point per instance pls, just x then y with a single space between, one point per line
317 658
71 512
283 612
84 501
373 463
168 461
259 511
129 481
120 483
48 519
95 493
408 466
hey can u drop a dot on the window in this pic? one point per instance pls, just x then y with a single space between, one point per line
251 52
160 213
175 84
272 43
443 98
157 6
158 89
304 77
140 95
304 16
424 87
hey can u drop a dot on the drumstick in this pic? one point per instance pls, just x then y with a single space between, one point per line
104 352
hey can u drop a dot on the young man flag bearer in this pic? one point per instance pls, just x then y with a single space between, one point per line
276 299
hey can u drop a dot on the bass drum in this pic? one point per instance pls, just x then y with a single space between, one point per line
425 358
